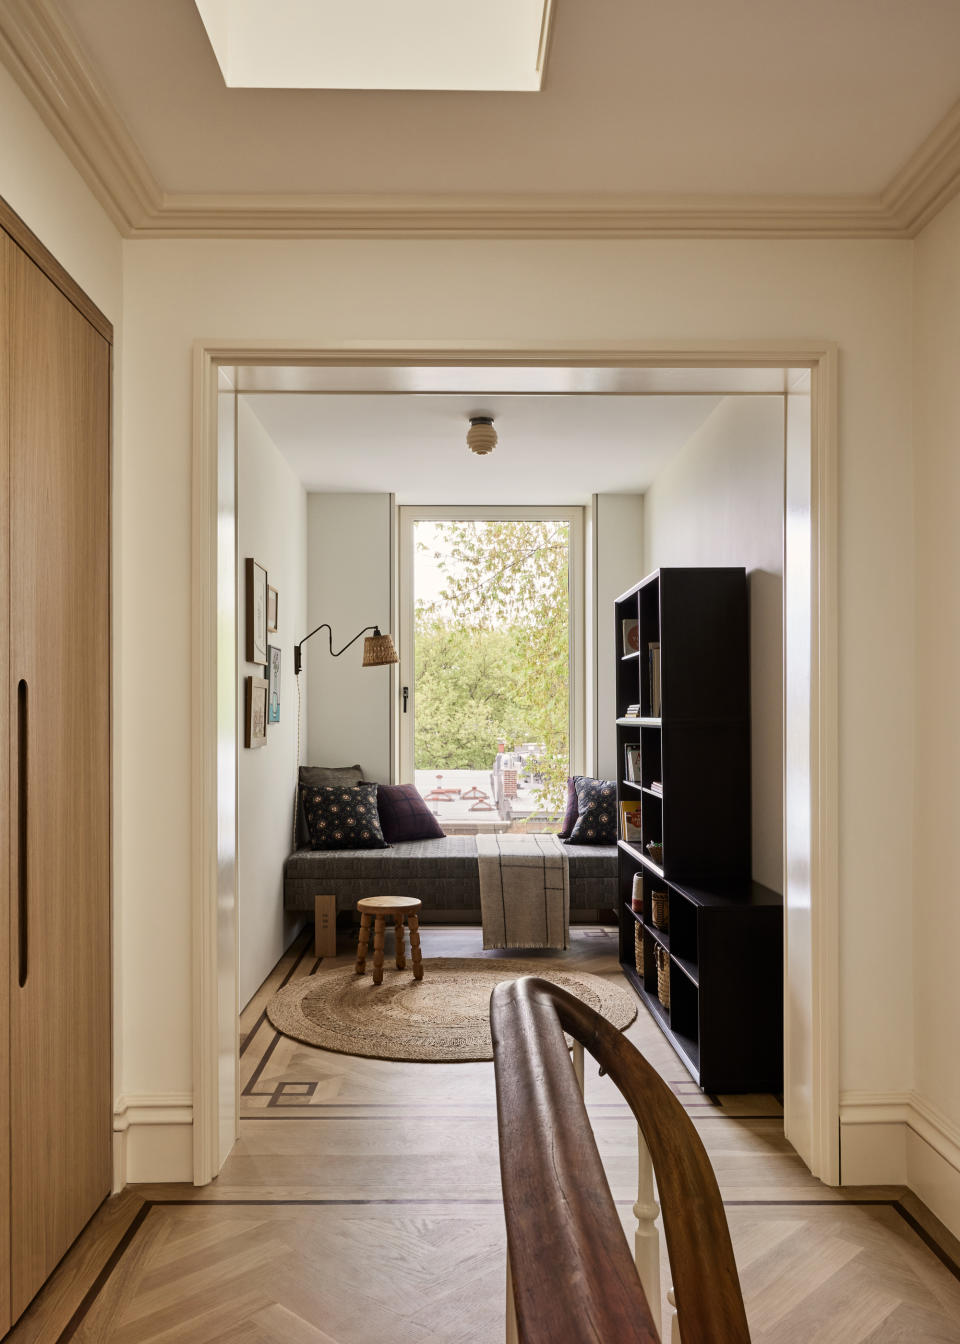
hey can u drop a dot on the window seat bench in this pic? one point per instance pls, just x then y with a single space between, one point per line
443 874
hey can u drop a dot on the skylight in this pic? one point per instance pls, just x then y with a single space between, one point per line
379 44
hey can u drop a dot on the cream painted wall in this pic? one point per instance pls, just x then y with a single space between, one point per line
271 527
618 564
720 502
304 292
349 586
937 508
40 183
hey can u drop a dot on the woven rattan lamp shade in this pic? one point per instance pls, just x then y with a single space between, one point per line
378 649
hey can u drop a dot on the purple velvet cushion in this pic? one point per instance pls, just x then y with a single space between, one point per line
572 812
404 815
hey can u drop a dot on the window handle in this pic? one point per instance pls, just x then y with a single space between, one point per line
406 692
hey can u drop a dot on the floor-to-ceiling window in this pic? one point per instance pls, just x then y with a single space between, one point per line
492 648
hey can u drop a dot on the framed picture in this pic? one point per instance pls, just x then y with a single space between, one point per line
256 613
631 636
631 762
272 601
273 680
256 712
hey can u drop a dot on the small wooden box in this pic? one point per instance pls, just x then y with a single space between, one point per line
324 926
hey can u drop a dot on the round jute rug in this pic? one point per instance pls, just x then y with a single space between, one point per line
442 1019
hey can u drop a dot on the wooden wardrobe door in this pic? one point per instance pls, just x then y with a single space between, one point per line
6 253
59 708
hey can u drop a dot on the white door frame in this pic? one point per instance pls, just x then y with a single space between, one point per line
413 513
811 902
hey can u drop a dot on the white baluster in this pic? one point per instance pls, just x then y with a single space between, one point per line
646 1239
578 1064
512 1335
673 1320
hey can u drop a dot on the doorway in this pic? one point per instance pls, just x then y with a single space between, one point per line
807 379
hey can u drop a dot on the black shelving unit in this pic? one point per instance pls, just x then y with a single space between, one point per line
721 941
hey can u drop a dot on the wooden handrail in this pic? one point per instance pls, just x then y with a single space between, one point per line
573 1276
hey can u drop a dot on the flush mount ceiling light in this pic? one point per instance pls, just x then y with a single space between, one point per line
379 44
481 436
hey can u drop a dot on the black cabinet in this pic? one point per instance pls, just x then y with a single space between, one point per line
703 948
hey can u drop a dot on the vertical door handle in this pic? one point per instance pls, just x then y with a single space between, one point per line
23 932
406 692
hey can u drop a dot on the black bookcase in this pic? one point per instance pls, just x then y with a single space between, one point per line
708 939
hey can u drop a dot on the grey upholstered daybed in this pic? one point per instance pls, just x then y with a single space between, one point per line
441 873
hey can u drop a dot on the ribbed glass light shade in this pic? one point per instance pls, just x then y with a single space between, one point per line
379 649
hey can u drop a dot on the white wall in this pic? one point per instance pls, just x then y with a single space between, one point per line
304 292
271 527
618 564
349 586
719 501
39 182
934 1159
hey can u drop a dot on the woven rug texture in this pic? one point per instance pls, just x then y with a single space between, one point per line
442 1019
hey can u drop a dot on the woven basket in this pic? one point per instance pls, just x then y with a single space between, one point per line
638 947
660 909
663 977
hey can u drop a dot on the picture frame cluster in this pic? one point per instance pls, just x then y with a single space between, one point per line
262 693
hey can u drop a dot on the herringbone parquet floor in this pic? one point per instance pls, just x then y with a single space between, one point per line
362 1204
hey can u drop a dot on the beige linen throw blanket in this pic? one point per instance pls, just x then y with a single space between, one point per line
524 891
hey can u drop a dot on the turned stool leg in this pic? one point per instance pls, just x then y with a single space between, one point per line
398 925
363 943
414 925
378 927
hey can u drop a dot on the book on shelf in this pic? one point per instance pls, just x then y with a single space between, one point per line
656 787
654 656
631 636
631 762
630 821
632 712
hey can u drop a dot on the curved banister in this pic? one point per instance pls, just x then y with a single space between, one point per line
573 1276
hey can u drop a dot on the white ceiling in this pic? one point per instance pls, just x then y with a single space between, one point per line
692 97
552 449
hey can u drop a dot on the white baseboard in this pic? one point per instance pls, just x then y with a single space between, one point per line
152 1139
898 1138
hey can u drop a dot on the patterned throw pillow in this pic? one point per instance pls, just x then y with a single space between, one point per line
342 817
310 777
571 812
404 815
596 822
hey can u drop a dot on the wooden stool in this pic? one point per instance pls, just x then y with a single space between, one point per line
377 908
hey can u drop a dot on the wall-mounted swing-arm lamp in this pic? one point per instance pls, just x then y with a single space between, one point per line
378 649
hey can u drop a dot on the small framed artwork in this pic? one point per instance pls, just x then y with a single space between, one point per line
272 602
631 762
256 613
256 711
631 636
273 679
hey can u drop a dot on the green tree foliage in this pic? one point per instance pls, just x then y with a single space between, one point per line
492 651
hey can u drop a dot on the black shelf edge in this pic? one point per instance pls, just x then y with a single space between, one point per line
639 722
653 793
641 858
632 784
689 968
630 910
659 936
687 1050
629 657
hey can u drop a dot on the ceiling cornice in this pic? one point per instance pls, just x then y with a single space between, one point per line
43 55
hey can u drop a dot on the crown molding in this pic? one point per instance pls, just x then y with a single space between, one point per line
45 58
